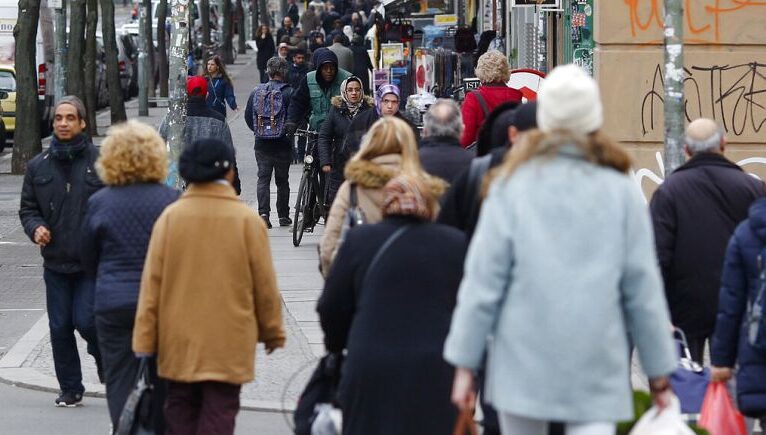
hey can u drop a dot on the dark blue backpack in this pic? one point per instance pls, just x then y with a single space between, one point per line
756 322
269 111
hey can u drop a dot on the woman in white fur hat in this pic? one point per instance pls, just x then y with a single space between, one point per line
561 271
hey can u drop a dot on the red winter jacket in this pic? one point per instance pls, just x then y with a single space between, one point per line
473 116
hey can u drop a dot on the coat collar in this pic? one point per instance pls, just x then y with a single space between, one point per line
211 189
439 141
708 159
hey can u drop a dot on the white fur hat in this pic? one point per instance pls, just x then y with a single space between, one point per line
569 100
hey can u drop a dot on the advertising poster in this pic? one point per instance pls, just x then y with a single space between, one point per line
392 53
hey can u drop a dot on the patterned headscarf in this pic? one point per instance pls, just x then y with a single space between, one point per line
382 91
408 196
353 108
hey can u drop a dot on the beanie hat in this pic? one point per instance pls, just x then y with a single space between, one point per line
525 116
205 160
72 101
569 100
196 86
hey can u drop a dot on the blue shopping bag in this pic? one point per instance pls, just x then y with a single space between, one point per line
690 380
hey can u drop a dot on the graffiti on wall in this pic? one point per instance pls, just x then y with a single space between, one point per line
733 95
704 19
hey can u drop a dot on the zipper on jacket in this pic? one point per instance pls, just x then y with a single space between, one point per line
68 187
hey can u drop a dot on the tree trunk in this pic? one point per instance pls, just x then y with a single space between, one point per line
75 82
176 117
26 141
204 16
61 52
89 78
674 85
226 44
263 13
162 48
116 102
253 18
241 47
150 59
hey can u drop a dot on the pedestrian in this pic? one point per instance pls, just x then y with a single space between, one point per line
264 42
361 61
273 154
388 303
388 150
283 52
344 54
440 151
298 68
208 295
310 21
695 212
493 72
317 6
115 236
292 12
730 345
386 104
532 282
316 41
332 156
506 126
57 185
336 30
220 88
202 121
287 28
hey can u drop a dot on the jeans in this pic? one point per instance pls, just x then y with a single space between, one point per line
69 297
204 408
280 165
511 424
115 335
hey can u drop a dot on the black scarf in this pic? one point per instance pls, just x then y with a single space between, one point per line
69 150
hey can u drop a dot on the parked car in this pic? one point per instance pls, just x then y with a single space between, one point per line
131 52
7 104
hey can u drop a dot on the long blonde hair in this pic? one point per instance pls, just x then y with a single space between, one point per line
596 148
391 135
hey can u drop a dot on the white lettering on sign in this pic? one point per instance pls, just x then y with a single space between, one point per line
471 84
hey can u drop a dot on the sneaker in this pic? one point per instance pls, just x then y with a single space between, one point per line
68 399
266 220
285 222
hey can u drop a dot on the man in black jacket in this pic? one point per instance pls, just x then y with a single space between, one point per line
694 213
273 155
440 150
57 185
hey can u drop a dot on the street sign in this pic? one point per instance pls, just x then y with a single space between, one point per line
445 20
471 84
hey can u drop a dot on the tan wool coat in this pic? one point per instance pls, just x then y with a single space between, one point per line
370 177
208 290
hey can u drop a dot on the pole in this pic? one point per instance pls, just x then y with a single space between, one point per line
60 56
143 94
176 118
674 85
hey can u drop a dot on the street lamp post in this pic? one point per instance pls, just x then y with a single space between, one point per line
674 85
176 118
60 55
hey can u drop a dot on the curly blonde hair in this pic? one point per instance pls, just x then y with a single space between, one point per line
493 67
132 152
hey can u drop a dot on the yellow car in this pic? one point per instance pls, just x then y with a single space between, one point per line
8 105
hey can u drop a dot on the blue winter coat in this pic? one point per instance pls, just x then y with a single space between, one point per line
739 285
115 237
219 93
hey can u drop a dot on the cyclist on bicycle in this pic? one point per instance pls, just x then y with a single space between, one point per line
312 98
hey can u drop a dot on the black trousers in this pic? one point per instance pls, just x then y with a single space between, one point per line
115 335
279 164
697 347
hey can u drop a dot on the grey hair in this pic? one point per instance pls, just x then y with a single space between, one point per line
437 122
276 66
712 142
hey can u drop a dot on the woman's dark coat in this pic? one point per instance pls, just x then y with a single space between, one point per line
331 137
739 285
115 237
394 379
266 50
361 125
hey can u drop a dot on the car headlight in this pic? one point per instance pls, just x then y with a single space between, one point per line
309 159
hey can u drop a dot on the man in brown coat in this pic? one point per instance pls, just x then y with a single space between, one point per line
208 295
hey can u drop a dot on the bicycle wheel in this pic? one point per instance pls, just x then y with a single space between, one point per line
300 205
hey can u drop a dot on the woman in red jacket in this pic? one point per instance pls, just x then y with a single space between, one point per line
493 72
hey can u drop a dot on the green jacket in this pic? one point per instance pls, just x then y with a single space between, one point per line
320 100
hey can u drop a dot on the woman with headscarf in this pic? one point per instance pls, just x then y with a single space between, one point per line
388 302
387 150
344 109
386 104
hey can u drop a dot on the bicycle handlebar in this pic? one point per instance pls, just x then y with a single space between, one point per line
306 133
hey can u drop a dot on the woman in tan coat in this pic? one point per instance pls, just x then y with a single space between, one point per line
208 295
388 149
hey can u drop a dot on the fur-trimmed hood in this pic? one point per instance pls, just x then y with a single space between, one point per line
337 101
375 173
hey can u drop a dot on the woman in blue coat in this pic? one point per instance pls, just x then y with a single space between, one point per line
220 90
739 284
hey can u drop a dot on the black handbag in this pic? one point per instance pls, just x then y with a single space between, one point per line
136 414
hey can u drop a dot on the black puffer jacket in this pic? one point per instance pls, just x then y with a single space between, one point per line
361 125
47 199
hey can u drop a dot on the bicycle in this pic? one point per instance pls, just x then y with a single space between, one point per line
309 206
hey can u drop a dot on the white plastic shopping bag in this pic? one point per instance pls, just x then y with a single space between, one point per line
667 422
328 421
